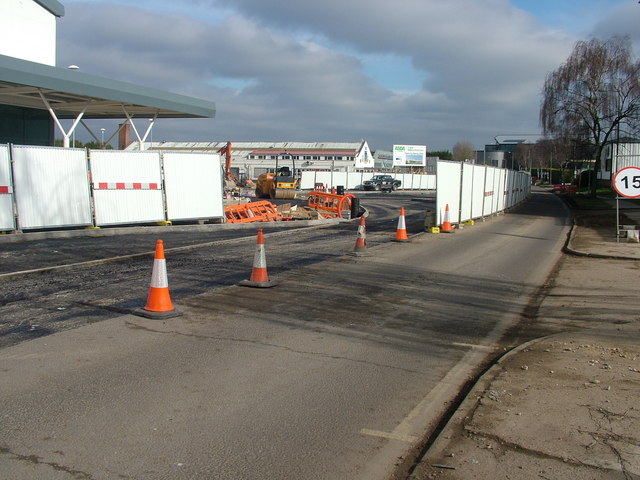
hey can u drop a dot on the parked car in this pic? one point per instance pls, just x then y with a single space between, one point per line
378 182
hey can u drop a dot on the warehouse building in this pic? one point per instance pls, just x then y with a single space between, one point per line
251 159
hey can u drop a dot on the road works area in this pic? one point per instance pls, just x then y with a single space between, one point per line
345 370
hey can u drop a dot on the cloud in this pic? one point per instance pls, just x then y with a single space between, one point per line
621 20
294 70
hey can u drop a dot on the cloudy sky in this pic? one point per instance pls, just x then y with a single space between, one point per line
427 72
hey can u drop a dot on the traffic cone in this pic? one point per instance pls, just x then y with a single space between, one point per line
259 276
446 223
401 231
159 303
361 241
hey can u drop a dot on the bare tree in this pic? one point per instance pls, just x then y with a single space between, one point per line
594 94
463 151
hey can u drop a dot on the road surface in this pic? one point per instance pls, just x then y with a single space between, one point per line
336 373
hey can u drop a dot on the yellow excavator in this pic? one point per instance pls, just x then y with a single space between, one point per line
284 183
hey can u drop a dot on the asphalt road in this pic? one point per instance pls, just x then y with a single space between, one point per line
62 280
336 373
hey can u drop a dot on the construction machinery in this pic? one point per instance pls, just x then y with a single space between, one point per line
283 183
230 179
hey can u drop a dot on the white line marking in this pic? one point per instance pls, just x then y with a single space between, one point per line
471 345
389 436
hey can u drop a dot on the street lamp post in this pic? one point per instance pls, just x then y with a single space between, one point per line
102 136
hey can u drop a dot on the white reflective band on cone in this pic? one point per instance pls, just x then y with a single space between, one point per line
159 274
259 260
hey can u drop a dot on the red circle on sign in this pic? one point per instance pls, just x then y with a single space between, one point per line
621 182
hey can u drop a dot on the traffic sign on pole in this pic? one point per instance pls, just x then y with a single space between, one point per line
627 182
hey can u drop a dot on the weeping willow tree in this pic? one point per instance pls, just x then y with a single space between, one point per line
593 96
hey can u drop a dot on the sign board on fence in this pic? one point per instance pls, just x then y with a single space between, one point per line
409 155
627 182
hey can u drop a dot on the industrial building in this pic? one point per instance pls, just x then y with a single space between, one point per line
501 153
251 159
617 155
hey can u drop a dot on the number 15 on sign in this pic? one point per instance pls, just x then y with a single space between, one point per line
627 182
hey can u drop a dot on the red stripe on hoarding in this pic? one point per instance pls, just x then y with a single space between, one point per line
126 186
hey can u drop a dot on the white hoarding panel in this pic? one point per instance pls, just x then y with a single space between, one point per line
127 187
51 187
409 155
479 172
411 181
448 190
489 191
308 180
120 206
499 195
339 179
466 193
354 180
502 176
405 180
511 188
193 186
7 219
428 182
324 178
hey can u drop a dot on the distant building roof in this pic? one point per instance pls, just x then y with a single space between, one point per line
69 91
264 148
272 151
518 138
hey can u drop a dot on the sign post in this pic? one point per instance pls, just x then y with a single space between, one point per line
626 183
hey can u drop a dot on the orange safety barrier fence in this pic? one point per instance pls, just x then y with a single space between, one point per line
262 211
330 202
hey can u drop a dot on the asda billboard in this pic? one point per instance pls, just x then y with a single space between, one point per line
409 155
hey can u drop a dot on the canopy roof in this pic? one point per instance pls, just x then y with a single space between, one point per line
53 6
70 91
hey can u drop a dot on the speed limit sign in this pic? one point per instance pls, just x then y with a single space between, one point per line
627 182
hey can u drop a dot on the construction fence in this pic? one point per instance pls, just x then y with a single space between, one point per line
49 187
353 180
476 191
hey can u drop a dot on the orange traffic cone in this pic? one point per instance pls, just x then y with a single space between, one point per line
361 241
401 231
259 276
158 301
446 223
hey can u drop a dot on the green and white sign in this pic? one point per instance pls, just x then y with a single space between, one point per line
409 155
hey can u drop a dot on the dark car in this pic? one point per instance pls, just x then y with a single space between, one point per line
380 182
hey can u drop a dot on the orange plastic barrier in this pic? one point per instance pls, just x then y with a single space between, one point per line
262 211
330 202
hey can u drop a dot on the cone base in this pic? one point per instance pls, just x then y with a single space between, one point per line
251 283
141 312
400 240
